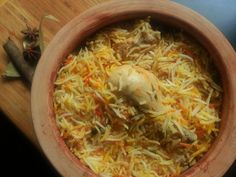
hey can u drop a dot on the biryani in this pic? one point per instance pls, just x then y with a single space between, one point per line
138 100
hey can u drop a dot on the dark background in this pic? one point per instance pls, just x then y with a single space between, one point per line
19 157
222 13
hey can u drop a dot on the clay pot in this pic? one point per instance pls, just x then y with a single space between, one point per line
223 151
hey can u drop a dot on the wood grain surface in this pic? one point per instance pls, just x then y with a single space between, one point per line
14 15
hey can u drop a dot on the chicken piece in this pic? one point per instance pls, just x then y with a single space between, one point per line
141 87
171 128
136 84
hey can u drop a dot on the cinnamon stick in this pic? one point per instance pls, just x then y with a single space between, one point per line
18 61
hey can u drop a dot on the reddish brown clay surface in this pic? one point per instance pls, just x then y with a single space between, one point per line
223 152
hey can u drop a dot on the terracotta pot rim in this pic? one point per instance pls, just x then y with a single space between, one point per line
97 17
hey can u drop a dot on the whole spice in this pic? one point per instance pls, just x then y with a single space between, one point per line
11 71
31 49
32 53
18 61
30 34
49 17
33 46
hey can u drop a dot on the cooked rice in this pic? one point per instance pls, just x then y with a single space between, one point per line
113 137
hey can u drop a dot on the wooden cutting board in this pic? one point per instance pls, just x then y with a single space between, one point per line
14 15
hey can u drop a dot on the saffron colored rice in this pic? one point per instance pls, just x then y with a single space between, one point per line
113 137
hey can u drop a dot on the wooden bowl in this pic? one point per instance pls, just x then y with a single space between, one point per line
223 151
